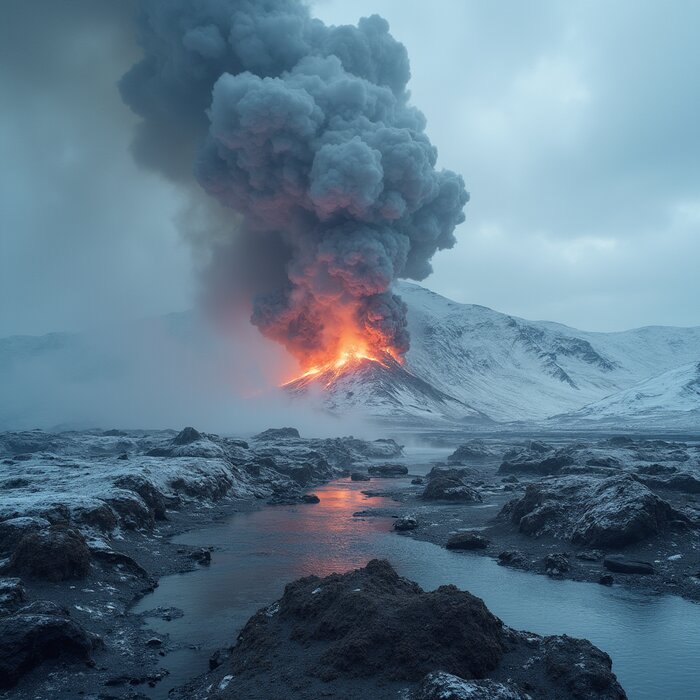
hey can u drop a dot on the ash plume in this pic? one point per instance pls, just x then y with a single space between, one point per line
306 132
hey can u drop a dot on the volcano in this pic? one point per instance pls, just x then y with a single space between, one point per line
380 386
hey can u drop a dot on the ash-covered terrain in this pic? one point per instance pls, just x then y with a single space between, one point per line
614 511
84 524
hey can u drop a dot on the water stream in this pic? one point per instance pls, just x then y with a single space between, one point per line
654 641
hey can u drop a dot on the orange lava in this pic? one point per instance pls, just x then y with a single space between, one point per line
351 352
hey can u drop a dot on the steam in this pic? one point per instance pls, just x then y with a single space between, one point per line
305 131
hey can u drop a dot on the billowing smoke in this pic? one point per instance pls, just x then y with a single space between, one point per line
306 132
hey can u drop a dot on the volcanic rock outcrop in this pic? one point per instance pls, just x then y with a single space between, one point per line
371 633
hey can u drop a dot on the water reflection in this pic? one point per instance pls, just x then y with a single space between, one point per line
654 642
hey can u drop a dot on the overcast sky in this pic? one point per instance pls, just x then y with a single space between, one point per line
575 126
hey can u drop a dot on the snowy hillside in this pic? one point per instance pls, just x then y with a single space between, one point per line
672 397
513 369
466 362
387 390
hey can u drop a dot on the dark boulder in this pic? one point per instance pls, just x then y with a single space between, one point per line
538 467
514 559
463 473
359 476
467 540
187 436
151 496
450 489
579 670
604 513
606 580
373 623
27 640
472 451
277 434
131 509
55 554
14 529
556 564
406 523
417 481
621 565
96 514
201 556
388 470
310 498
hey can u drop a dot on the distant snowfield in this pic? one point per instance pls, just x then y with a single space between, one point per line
466 363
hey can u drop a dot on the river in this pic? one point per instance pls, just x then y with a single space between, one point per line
654 641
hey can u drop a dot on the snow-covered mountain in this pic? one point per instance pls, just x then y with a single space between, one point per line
513 369
672 398
466 362
383 388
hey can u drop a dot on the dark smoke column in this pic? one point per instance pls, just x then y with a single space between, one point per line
306 131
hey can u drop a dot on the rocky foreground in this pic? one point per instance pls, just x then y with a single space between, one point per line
370 633
619 510
84 524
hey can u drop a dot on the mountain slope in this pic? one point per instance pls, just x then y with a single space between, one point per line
386 389
671 397
466 362
513 369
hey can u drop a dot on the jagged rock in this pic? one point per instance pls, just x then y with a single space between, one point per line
684 482
101 551
26 640
388 470
310 498
556 564
151 496
14 529
96 514
621 565
372 622
359 476
463 473
218 658
277 434
467 540
579 670
187 436
513 558
407 522
131 509
445 686
540 467
472 451
55 554
450 489
348 635
201 556
12 594
605 513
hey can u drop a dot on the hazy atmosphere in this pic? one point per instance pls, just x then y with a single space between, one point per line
349 349
572 124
